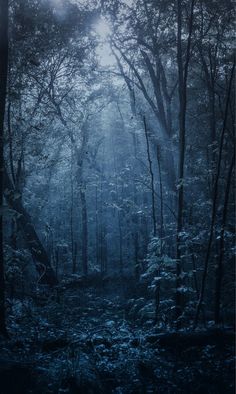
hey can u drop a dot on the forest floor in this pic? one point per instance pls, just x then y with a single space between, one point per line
86 343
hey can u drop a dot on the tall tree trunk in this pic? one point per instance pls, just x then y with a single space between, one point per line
3 91
99 233
182 79
182 114
72 236
219 268
103 250
34 244
214 205
152 178
10 143
84 231
135 217
161 199
96 226
144 225
210 77
119 217
121 262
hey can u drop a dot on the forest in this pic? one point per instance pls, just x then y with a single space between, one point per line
117 196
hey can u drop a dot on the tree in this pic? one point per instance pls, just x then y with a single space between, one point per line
219 267
141 54
183 67
35 246
3 92
214 208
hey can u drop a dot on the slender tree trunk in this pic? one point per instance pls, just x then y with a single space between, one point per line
119 218
157 299
80 153
135 224
96 226
219 269
158 285
136 257
182 79
212 121
152 178
121 263
3 92
210 84
84 231
135 219
73 243
182 131
161 199
195 281
56 262
10 142
100 239
214 205
144 225
103 250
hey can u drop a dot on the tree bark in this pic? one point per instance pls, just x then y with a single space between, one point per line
3 92
84 231
219 268
34 244
152 178
72 237
183 75
161 199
